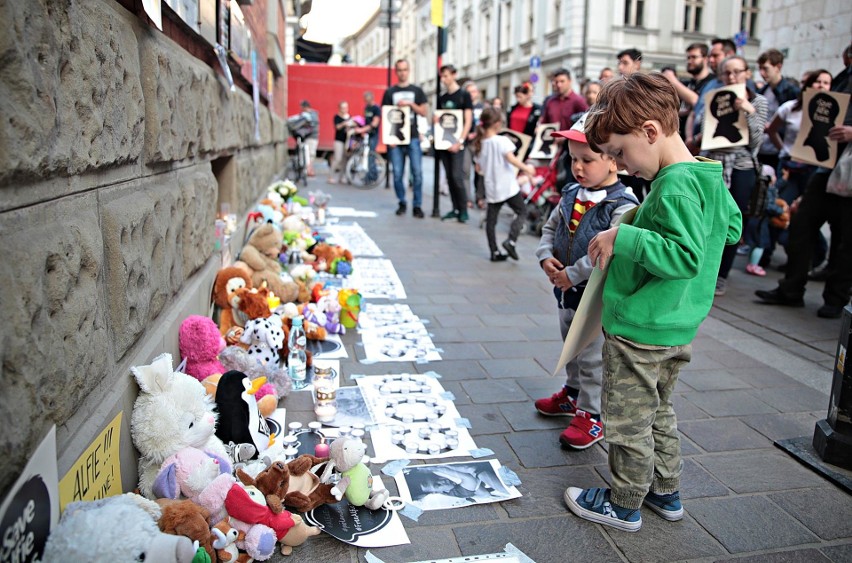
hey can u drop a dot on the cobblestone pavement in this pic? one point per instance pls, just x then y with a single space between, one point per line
758 374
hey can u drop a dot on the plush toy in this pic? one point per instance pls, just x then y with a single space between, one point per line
261 255
200 344
119 528
250 514
356 483
240 420
172 412
225 543
200 476
185 518
265 337
228 281
253 304
277 384
332 255
291 484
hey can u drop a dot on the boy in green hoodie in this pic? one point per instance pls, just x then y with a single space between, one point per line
658 290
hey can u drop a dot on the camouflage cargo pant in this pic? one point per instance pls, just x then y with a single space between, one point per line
640 423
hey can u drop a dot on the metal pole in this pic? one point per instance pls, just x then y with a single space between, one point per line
436 190
390 63
499 30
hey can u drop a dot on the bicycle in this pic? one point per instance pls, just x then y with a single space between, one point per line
361 160
297 167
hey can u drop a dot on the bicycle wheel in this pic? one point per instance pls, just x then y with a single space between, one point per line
358 170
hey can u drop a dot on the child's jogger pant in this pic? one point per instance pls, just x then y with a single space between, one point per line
641 428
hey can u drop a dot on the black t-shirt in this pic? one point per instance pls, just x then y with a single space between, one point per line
339 134
371 112
460 99
396 94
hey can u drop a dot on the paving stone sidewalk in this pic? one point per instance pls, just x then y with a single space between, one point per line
758 374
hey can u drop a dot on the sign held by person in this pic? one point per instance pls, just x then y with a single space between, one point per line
543 146
822 111
396 125
724 125
448 128
521 142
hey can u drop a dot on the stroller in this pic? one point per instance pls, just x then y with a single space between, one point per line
543 197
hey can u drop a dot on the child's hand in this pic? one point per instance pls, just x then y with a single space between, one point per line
551 266
480 203
561 280
601 247
529 169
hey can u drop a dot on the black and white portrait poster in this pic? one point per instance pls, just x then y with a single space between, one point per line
821 112
351 408
521 142
452 485
396 125
543 146
31 508
449 125
724 125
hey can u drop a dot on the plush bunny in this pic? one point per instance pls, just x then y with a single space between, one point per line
202 477
120 528
265 338
172 412
200 344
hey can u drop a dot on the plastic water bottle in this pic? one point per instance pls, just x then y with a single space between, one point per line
297 360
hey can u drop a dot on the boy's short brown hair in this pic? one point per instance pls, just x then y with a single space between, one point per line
625 103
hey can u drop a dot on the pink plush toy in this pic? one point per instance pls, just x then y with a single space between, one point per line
199 475
200 344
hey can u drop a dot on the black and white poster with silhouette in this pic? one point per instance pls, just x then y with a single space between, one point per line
396 125
724 125
449 125
521 142
453 485
822 111
31 507
543 146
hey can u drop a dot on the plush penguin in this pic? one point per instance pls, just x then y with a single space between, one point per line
240 421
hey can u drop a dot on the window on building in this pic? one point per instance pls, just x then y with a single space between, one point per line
748 17
484 35
529 31
506 32
633 12
692 15
467 51
555 14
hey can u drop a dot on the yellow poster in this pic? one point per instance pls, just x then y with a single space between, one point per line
97 472
438 13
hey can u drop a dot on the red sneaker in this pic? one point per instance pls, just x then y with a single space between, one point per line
583 432
558 404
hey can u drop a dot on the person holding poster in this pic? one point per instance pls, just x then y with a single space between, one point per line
816 207
661 272
739 164
404 94
455 98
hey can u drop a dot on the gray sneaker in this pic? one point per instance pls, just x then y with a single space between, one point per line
721 287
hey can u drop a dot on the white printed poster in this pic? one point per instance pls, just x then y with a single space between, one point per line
449 126
543 146
396 125
724 125
375 278
453 485
822 111
521 142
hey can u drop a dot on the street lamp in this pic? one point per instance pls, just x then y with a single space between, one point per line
499 30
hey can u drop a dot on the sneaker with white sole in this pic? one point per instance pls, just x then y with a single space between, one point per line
583 432
721 287
667 506
594 505
558 404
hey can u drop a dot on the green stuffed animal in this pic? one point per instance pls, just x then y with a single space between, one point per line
356 483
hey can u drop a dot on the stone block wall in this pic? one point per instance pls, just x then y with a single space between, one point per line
108 199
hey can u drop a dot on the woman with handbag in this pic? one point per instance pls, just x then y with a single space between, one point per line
739 164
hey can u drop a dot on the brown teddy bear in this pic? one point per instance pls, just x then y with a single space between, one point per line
229 281
292 484
260 254
326 254
185 518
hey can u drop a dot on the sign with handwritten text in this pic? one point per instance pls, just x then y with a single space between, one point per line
97 472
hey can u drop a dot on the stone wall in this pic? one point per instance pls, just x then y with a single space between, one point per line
107 208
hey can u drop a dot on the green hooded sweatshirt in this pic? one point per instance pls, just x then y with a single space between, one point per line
663 271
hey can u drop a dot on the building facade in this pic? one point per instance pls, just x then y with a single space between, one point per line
494 41
120 145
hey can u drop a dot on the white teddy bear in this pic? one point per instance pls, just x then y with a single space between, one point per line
265 338
172 412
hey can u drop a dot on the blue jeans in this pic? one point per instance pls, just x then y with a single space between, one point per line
397 156
372 172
